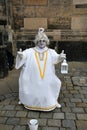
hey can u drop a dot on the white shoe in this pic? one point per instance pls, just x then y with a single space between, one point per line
58 105
19 102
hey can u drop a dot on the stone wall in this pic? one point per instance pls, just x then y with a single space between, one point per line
65 23
57 12
79 2
60 14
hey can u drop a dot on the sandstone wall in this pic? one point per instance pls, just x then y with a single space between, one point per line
57 12
60 15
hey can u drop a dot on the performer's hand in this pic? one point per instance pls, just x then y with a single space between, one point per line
62 55
20 54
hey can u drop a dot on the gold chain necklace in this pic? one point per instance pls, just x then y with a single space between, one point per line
42 72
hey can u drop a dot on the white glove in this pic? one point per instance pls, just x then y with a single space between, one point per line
62 56
20 54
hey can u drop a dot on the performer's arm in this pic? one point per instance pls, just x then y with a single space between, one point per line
20 59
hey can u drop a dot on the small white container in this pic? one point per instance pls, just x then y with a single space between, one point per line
64 67
33 124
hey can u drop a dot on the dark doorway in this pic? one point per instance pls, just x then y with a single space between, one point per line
75 51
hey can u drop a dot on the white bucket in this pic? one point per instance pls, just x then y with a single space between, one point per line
33 124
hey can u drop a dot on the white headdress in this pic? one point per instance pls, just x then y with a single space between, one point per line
40 30
41 35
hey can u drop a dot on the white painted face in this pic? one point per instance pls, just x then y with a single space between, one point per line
41 44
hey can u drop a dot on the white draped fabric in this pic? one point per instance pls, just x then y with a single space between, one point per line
39 87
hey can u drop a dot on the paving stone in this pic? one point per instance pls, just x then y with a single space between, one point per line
70 88
63 104
62 128
15 94
24 121
67 78
68 95
50 128
21 114
80 81
70 116
9 107
53 122
2 97
77 87
46 115
15 102
81 125
3 120
83 91
42 122
78 110
66 109
66 100
58 116
75 100
74 91
8 95
10 113
19 107
70 104
85 96
78 96
84 88
33 114
68 123
13 121
58 110
1 107
82 116
6 127
2 113
39 128
69 84
81 104
19 128
6 102
64 86
66 92
85 109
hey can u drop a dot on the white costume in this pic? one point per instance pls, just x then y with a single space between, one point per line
39 87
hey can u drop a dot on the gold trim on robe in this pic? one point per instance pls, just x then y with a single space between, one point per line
41 108
42 72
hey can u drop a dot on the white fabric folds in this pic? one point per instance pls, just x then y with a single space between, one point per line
39 87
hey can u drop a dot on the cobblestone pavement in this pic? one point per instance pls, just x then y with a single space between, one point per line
71 116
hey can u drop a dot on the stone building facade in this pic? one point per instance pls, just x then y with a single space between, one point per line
65 22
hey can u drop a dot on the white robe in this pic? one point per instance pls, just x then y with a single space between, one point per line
39 87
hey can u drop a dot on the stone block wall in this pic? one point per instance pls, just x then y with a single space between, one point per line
76 2
60 14
2 8
66 21
57 12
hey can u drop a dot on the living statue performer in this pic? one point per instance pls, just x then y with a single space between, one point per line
39 87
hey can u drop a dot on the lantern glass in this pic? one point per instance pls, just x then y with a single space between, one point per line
64 67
